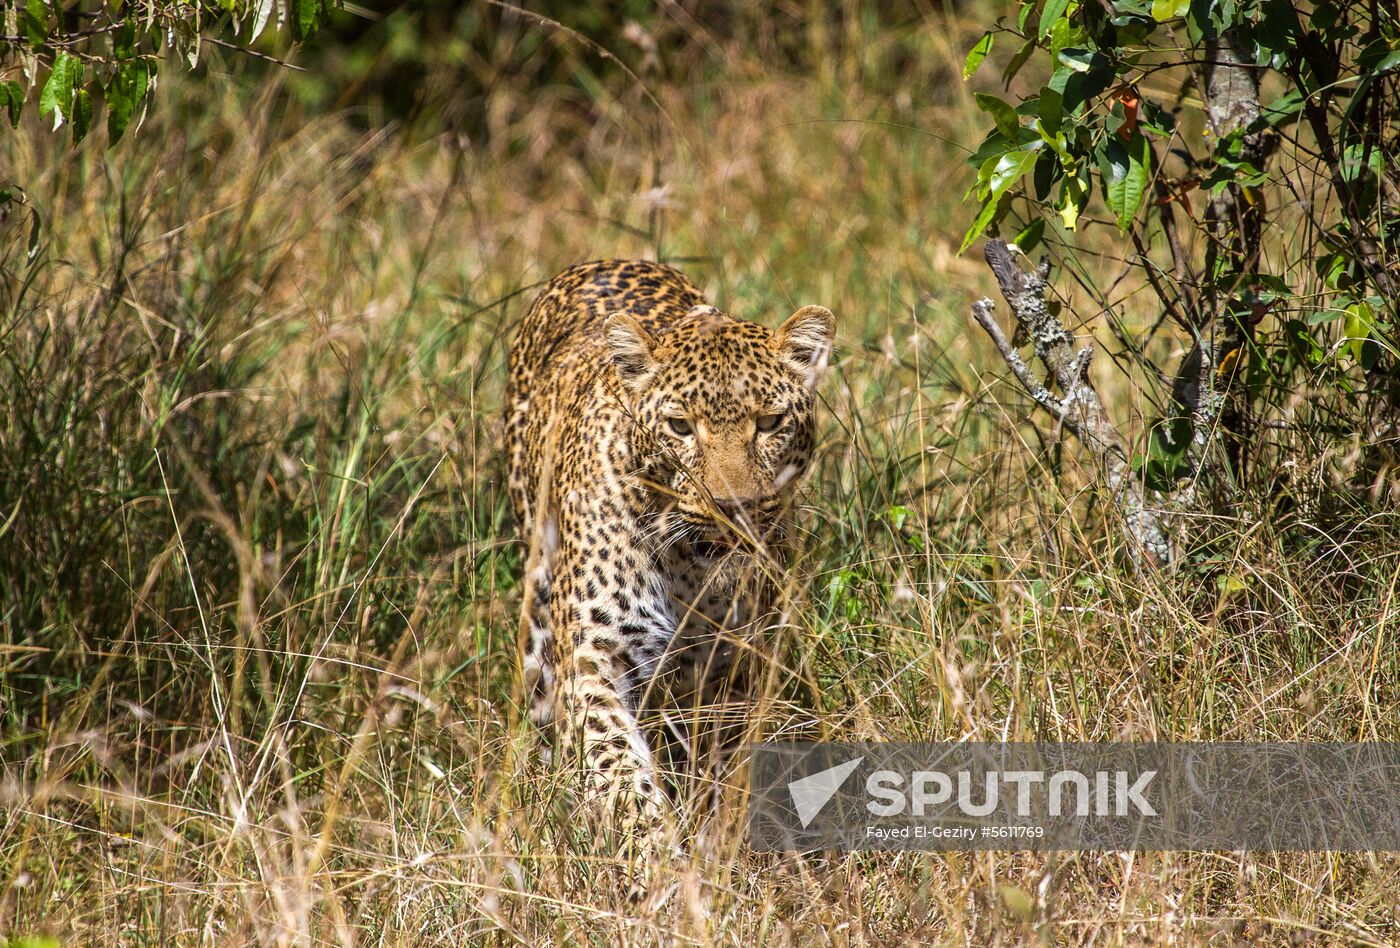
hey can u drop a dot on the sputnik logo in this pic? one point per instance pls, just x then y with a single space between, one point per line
812 793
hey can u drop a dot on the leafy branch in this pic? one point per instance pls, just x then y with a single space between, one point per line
1188 168
78 61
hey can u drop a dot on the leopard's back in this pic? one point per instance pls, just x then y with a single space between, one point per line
568 314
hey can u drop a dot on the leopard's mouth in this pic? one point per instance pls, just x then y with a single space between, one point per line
710 549
722 544
710 541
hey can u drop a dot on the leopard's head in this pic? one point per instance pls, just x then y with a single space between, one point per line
724 413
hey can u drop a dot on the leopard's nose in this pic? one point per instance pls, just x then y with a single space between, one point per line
734 505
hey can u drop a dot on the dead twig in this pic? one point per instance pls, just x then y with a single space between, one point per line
1077 409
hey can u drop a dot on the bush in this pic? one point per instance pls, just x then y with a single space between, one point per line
1247 156
84 56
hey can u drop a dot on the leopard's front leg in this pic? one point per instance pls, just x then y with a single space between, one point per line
610 628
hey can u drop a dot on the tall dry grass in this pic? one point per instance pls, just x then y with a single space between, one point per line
257 582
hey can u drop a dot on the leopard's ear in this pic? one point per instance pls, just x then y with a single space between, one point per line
804 342
631 349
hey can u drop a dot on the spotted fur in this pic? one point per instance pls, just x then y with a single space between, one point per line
654 444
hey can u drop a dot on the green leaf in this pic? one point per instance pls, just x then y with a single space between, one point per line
1074 196
125 93
308 17
1231 584
1360 320
1301 344
1163 10
1058 144
1063 34
1051 110
1012 167
1029 237
1017 61
1326 315
1007 170
36 22
978 53
12 100
1053 12
57 94
984 217
1332 270
1112 159
1001 113
1083 60
1165 460
1126 172
1024 17
1048 170
82 115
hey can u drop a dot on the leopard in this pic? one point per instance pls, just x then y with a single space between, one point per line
653 447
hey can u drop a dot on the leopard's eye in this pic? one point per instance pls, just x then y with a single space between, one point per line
767 423
680 426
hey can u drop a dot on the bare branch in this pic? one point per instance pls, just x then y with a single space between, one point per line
982 312
1079 410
